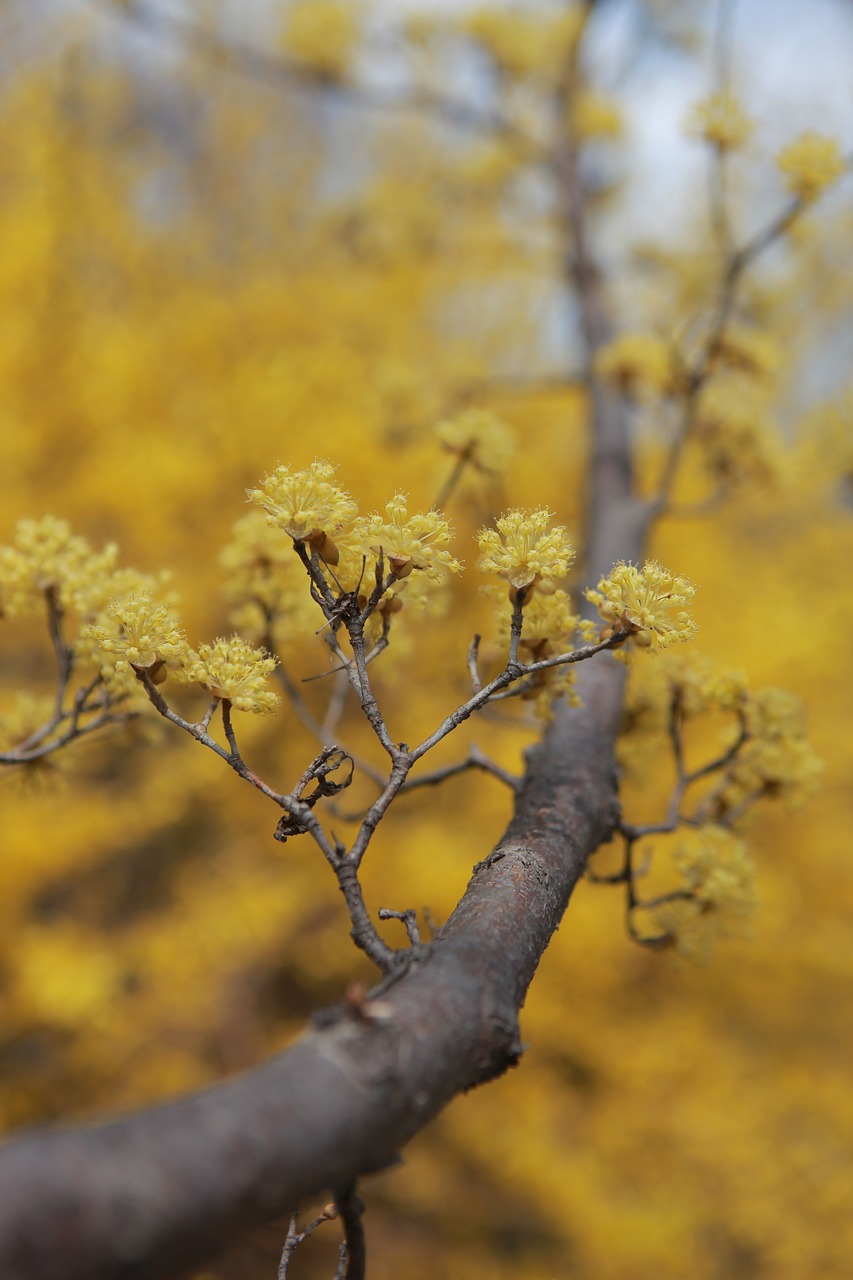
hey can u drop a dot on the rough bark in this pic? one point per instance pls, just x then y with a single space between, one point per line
152 1192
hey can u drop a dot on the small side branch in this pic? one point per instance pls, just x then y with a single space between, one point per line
474 760
295 1237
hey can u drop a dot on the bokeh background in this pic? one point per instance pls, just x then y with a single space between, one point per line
218 256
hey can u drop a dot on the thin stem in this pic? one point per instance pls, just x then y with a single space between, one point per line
516 625
294 1237
408 918
507 677
474 760
453 479
351 1209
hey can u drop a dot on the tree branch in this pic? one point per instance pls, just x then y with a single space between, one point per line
166 1188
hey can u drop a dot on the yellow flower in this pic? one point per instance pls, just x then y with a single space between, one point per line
717 868
234 672
750 350
777 760
595 116
46 556
700 686
322 34
265 583
526 43
306 505
735 430
408 542
810 165
639 363
144 635
481 438
649 602
523 550
721 121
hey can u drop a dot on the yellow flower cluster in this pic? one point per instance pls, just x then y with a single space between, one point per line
717 870
322 34
265 584
593 115
524 551
720 120
233 671
640 364
750 350
408 542
307 505
143 635
481 438
701 687
310 508
809 165
28 714
777 760
649 602
735 430
47 556
523 43
698 686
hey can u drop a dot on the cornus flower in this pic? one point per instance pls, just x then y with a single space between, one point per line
526 43
649 602
264 583
322 34
750 350
700 686
717 868
234 672
47 556
144 635
639 363
735 430
523 550
481 438
810 165
408 542
718 876
595 116
720 120
306 505
777 760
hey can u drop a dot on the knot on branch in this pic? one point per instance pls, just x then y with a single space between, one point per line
319 772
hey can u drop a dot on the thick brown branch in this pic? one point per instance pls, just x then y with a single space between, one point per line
146 1195
161 1190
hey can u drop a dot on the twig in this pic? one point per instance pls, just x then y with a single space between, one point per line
281 72
473 656
474 760
351 1209
408 918
516 625
508 676
294 1238
453 479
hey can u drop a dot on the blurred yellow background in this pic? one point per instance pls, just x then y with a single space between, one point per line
205 275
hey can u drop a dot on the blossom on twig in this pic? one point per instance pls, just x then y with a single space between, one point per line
649 602
523 550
